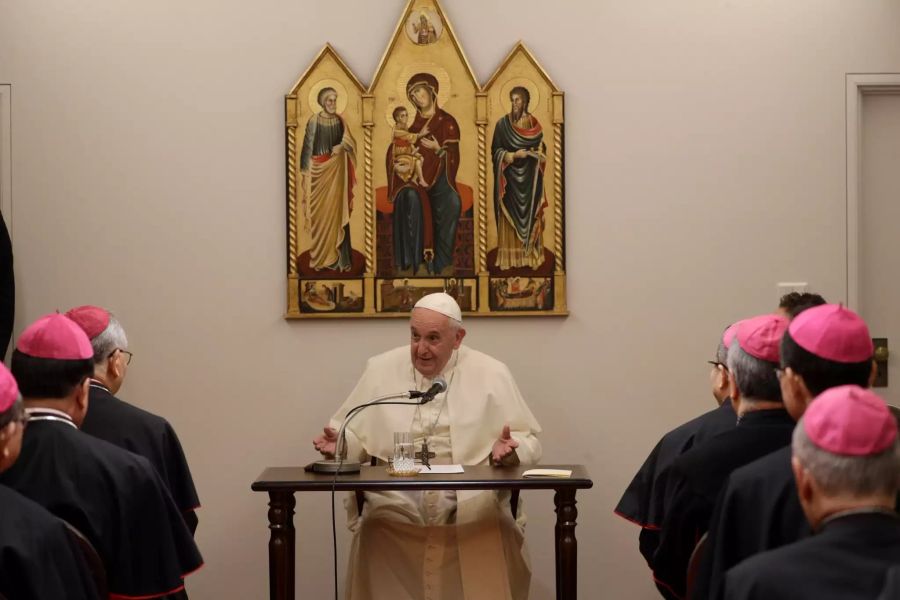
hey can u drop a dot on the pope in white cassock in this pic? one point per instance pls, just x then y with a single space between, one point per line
438 545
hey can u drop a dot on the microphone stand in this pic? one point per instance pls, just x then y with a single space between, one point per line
339 464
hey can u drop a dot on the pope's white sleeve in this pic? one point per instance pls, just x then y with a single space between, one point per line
529 450
524 427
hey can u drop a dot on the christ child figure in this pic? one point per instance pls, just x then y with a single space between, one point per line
407 158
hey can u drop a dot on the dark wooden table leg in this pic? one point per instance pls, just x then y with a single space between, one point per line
281 545
566 545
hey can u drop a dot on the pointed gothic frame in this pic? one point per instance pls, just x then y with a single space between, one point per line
557 195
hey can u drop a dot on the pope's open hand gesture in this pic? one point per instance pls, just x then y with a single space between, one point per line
503 447
327 442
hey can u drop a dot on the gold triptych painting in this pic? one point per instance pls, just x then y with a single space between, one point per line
425 181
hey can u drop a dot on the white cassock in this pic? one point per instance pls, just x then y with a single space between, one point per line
439 545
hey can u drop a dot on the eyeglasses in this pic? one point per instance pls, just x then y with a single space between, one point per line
129 355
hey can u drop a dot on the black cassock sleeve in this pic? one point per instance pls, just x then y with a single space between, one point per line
685 522
147 435
756 511
179 473
163 551
38 558
636 503
643 502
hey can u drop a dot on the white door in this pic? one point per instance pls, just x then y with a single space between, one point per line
879 225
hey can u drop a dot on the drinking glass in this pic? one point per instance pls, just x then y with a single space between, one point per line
404 455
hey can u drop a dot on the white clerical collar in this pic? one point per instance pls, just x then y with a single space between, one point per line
49 414
97 384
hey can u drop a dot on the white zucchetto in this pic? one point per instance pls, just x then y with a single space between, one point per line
442 303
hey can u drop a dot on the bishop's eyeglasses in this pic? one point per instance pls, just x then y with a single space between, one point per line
128 355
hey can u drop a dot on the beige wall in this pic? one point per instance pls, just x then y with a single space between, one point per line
705 148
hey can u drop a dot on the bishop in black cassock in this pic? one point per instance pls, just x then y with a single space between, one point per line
758 510
115 498
846 460
643 501
123 424
694 480
38 559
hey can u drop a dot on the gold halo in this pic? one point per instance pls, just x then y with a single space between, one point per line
389 114
525 83
342 98
431 15
443 79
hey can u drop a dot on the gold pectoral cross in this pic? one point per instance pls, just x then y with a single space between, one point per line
425 456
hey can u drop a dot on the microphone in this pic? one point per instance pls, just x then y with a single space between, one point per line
439 386
339 463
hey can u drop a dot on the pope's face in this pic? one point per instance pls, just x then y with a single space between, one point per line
422 97
331 103
432 341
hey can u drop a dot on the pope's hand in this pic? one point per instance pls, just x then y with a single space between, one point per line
504 446
326 443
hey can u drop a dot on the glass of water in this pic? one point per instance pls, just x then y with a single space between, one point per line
404 454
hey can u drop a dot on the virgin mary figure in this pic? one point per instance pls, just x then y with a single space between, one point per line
425 217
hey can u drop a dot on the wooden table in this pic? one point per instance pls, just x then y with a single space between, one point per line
282 482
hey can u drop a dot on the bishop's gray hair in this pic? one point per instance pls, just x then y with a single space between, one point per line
108 340
848 475
722 354
754 377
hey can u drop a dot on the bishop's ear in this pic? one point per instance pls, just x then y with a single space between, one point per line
804 481
733 390
82 393
114 365
723 379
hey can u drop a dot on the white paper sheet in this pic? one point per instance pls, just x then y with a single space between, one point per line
441 469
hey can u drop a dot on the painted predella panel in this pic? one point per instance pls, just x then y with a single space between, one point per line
425 181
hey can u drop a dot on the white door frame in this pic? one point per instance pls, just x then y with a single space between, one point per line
858 85
6 155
